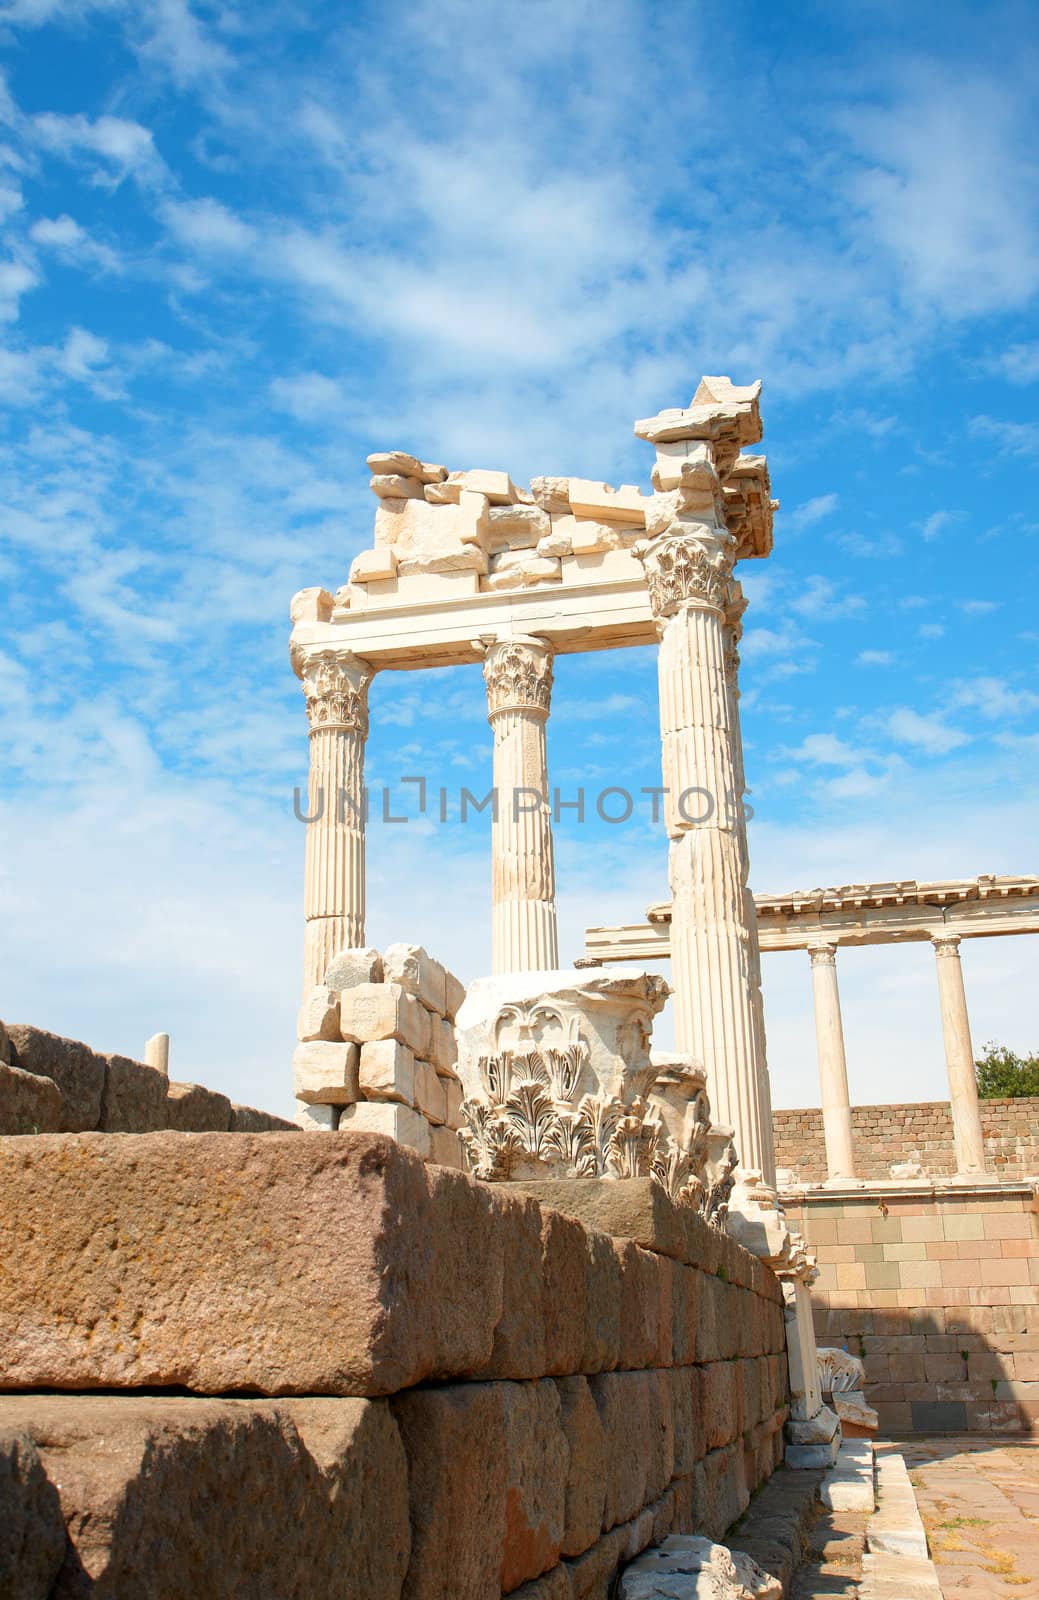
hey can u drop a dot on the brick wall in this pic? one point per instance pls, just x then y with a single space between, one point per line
939 1293
455 1390
886 1135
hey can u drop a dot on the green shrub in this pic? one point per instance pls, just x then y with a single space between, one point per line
1002 1075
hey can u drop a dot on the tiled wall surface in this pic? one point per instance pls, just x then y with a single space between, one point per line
940 1296
886 1135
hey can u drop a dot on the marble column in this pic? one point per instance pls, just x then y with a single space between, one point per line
518 676
833 1066
335 684
713 934
959 1056
734 610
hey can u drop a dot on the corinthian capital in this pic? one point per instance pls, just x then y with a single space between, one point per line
689 566
335 685
518 675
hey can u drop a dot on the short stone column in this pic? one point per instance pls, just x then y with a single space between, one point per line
833 1066
713 937
335 684
518 675
959 1056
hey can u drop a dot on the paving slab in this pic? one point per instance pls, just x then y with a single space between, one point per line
979 1503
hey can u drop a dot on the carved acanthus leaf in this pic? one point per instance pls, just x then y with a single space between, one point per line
518 675
683 569
335 686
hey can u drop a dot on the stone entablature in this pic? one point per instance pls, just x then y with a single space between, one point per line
871 913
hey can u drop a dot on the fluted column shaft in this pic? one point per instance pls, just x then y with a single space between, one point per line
518 675
336 688
833 1067
713 934
959 1056
731 637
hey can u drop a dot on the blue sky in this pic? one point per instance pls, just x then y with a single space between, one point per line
245 246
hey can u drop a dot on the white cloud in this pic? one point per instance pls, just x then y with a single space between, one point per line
1020 439
978 608
72 242
929 734
825 749
1020 363
812 511
115 148
207 225
937 523
994 698
16 279
874 658
821 599
931 630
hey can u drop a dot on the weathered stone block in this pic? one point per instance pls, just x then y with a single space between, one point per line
397 1122
640 1307
519 1338
628 1410
384 1011
602 1304
32 1528
586 1472
325 1073
78 1072
352 967
454 995
564 1272
134 1097
173 1495
192 1109
245 1119
443 1052
469 1239
718 1400
487 1467
387 1071
319 1014
284 1264
446 1148
28 1103
430 1093
416 970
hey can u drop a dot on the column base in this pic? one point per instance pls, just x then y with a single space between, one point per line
813 1441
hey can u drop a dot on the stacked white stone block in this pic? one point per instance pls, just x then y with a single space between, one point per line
377 1051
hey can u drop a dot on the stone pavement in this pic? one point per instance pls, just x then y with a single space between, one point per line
979 1500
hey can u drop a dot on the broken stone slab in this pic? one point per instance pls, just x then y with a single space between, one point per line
352 967
416 970
28 1103
326 1073
713 1572
78 1071
190 1108
132 1476
819 1429
328 1264
319 1014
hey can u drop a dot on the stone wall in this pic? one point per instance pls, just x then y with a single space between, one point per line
938 1291
445 1387
53 1085
884 1136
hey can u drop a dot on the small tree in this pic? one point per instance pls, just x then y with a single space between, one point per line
1002 1075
